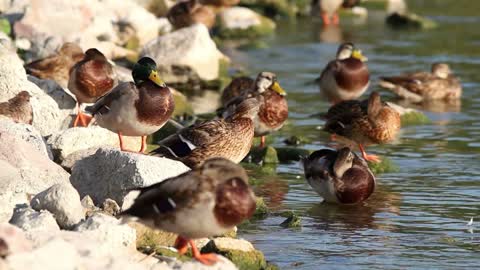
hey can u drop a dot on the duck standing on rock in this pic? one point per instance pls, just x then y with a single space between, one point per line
90 79
328 9
347 77
363 122
207 201
273 111
136 108
57 67
339 176
439 84
230 137
18 108
189 12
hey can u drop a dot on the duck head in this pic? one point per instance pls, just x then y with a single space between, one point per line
146 70
347 50
268 80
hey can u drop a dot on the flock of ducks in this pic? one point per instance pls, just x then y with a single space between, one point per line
215 195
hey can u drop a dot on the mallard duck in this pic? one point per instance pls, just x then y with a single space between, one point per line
230 137
363 122
57 67
339 176
346 77
439 84
136 108
186 13
207 201
273 105
90 79
328 10
18 108
236 88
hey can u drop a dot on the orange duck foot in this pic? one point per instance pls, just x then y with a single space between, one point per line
205 258
181 244
367 157
335 19
82 119
325 19
262 142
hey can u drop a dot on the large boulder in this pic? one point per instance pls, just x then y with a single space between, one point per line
47 116
242 22
188 50
63 201
24 171
26 132
110 173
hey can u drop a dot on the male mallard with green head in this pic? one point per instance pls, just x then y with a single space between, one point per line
57 66
328 10
347 77
189 12
230 137
90 79
273 111
339 176
136 108
18 108
439 84
207 201
363 122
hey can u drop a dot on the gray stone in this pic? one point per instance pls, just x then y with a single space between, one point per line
24 171
189 48
110 173
63 201
32 221
64 99
26 132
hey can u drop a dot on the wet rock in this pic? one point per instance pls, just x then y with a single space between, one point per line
12 240
33 221
239 251
409 20
289 154
189 50
63 201
264 155
110 207
26 132
410 116
386 165
241 22
292 220
74 140
261 209
24 171
110 173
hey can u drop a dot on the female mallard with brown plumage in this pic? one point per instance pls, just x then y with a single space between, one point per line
207 201
189 12
136 108
439 84
230 137
345 78
18 108
363 122
273 111
237 87
90 79
57 66
339 176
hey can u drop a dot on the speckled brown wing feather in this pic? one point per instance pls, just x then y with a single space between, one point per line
341 118
236 88
102 105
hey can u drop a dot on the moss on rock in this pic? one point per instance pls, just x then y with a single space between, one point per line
410 20
415 118
264 155
5 26
288 154
148 238
261 210
292 220
384 166
266 27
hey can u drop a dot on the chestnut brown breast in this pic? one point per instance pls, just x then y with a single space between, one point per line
274 110
234 202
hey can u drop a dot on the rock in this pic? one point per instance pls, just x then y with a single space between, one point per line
110 173
241 22
261 209
12 240
24 171
289 154
410 116
409 20
47 116
386 165
63 201
264 155
107 229
5 26
26 132
89 206
239 251
64 99
74 140
110 207
32 221
150 239
189 49
292 220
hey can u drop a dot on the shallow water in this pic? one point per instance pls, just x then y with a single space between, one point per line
417 217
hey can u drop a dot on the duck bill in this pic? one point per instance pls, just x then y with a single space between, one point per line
156 79
358 55
277 88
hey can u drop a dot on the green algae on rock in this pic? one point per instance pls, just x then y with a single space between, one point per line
289 154
241 22
292 221
409 20
264 155
384 166
261 210
415 118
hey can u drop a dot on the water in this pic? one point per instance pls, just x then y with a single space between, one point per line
417 217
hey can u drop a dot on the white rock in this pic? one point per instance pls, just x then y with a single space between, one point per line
64 99
110 173
63 201
32 221
239 17
189 47
26 132
108 230
223 243
47 116
67 142
223 264
14 238
24 171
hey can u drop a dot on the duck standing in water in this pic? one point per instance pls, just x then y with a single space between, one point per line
364 122
207 201
345 78
328 10
339 176
90 79
136 108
